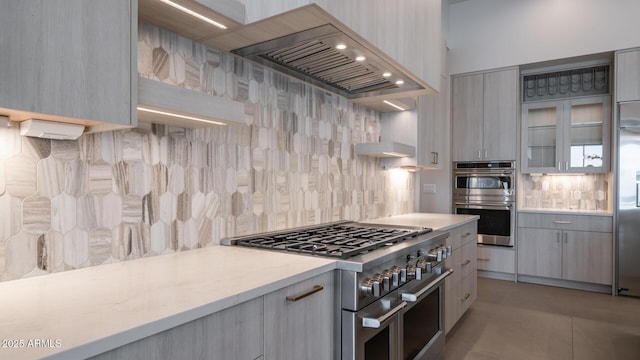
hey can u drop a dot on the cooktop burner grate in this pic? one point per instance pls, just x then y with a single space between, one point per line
340 240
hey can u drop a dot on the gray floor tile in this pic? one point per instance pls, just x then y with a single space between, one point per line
526 321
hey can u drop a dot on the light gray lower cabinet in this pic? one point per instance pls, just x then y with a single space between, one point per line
461 286
234 333
296 322
566 247
300 320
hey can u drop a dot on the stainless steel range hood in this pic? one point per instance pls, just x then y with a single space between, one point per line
313 56
302 43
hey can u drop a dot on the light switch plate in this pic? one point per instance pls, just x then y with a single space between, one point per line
429 188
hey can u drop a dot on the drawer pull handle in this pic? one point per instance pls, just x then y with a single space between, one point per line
466 234
561 222
483 259
316 288
466 262
466 296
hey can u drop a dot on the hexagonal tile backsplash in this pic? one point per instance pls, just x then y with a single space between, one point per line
121 195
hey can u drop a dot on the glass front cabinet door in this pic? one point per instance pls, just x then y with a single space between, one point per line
566 136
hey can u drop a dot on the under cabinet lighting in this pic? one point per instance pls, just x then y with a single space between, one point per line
394 105
193 13
179 116
390 153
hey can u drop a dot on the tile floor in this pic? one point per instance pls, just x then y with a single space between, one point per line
526 321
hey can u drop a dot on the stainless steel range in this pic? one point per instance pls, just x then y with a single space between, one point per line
391 284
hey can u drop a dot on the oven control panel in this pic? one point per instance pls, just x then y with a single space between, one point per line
418 265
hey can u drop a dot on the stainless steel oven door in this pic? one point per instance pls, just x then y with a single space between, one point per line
497 221
422 328
487 186
372 333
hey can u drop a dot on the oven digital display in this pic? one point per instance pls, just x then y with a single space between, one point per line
483 182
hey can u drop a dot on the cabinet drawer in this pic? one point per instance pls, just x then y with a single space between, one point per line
598 223
468 260
496 259
463 234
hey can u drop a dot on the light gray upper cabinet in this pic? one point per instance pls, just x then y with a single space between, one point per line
484 115
69 60
432 123
566 136
628 75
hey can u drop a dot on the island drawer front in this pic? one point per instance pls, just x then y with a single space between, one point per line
597 223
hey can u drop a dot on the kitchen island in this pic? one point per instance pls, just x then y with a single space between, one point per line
86 312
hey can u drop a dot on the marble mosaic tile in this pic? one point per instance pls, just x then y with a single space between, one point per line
21 180
126 194
51 177
2 177
99 245
582 192
36 214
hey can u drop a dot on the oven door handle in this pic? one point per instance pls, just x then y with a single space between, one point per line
486 206
375 323
413 297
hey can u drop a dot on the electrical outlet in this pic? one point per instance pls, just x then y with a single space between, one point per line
429 188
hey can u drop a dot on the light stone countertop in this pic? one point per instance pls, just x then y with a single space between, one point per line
92 310
96 309
441 222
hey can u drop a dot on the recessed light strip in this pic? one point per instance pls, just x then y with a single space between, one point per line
193 13
394 105
179 116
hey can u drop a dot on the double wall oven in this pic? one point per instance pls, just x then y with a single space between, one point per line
487 189
391 285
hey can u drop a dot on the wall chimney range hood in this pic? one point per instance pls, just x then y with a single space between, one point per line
301 43
312 55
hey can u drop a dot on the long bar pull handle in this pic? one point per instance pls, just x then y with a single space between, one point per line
316 288
566 237
637 188
479 156
466 296
563 222
414 297
466 262
376 322
482 259
566 165
559 166
558 237
486 153
466 234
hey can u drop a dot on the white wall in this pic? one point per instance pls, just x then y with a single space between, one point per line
489 34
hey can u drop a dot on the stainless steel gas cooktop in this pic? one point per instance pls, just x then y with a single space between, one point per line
340 240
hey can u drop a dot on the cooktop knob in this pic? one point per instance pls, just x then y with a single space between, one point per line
370 287
414 272
395 276
386 280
